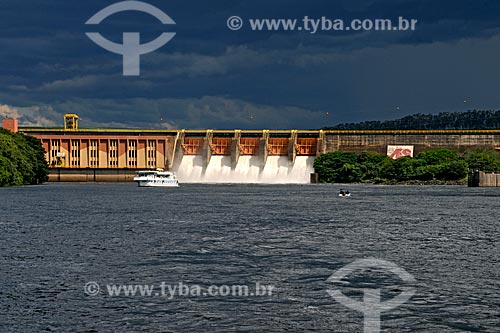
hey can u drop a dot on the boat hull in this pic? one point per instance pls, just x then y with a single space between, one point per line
158 183
158 178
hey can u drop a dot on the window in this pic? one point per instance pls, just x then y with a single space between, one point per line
151 154
132 154
94 154
113 153
75 153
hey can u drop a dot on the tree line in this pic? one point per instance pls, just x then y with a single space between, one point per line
431 165
22 160
475 119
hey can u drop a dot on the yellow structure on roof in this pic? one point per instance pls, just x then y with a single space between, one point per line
71 122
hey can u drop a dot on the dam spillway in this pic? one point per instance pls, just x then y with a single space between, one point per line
277 170
244 158
224 156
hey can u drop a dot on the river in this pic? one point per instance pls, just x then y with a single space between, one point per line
56 240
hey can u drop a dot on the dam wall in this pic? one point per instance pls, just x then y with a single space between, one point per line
359 141
483 179
266 156
195 156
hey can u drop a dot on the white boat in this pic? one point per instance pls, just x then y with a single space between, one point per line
158 178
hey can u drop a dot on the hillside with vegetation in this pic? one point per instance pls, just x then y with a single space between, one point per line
22 160
432 166
443 121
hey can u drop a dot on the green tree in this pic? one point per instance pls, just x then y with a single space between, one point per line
371 164
41 166
330 166
401 169
426 172
7 172
349 173
347 167
484 160
441 164
22 160
438 156
454 170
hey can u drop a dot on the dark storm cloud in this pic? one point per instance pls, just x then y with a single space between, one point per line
209 76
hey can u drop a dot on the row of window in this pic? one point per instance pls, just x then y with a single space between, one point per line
94 153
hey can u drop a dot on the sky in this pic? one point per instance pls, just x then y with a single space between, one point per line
209 76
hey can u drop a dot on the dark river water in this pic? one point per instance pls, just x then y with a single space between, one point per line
56 238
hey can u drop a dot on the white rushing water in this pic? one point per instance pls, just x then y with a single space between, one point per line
277 170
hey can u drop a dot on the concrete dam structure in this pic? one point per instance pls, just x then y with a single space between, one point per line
195 156
483 179
223 156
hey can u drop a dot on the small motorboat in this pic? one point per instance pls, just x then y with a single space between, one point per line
344 193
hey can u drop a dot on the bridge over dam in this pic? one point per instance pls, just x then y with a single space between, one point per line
255 156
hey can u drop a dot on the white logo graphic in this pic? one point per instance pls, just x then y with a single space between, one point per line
131 49
235 23
371 306
92 289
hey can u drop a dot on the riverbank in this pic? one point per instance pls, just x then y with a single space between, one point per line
462 182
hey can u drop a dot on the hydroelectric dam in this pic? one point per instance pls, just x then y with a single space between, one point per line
222 156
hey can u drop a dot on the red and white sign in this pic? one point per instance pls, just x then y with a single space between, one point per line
396 152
